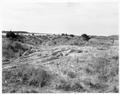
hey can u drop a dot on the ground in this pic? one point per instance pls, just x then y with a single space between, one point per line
61 63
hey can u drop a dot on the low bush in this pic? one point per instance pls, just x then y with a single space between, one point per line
85 37
71 74
71 35
11 35
14 37
68 86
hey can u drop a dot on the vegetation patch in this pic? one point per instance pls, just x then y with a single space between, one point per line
26 75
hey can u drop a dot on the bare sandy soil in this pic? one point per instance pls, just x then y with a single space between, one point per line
64 67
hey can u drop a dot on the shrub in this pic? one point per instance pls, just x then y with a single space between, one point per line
68 86
64 85
95 86
116 90
85 37
11 35
77 87
71 74
64 34
71 35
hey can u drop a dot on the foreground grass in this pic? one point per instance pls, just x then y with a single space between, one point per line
25 75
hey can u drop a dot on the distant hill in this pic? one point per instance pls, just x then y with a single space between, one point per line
115 37
15 31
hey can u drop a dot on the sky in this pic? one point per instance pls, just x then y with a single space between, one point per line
93 17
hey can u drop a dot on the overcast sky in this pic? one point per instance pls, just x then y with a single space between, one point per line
94 18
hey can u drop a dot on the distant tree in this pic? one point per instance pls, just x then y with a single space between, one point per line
85 37
64 34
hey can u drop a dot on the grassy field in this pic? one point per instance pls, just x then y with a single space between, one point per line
61 64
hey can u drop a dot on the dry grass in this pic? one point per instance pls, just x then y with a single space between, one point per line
66 68
26 75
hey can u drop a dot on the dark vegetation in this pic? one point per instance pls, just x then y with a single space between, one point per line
14 37
63 39
13 46
85 37
67 86
11 35
13 49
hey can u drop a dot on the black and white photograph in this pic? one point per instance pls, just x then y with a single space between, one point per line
60 46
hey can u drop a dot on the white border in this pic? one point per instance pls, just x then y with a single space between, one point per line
51 1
